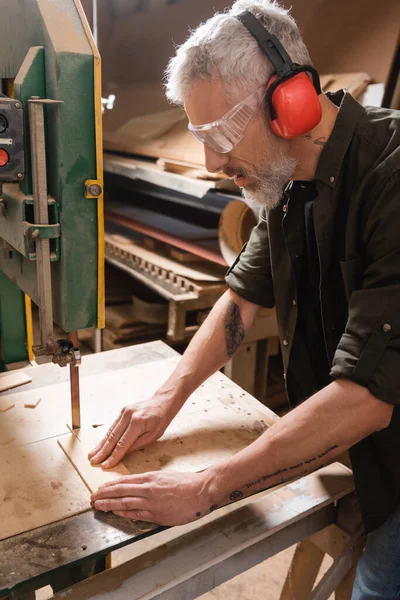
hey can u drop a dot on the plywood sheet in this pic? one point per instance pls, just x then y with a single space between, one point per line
21 426
38 486
13 380
216 422
76 449
6 404
32 403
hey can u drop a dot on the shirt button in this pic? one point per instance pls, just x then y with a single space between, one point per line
285 342
284 208
294 302
387 327
331 179
284 376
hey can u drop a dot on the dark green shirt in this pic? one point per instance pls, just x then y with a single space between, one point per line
357 229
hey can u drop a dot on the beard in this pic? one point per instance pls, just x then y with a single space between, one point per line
268 181
269 178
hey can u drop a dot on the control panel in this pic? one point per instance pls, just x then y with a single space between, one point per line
12 163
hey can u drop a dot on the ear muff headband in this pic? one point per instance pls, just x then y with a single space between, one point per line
284 67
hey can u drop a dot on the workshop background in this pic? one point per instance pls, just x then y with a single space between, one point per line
172 229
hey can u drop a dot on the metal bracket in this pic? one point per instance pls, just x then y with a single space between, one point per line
44 232
64 353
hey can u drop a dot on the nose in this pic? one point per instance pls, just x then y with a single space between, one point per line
215 161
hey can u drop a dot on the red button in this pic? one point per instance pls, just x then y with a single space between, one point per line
4 158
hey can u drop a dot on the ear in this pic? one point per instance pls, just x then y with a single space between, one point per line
296 105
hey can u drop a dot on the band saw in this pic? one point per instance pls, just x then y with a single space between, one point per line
51 187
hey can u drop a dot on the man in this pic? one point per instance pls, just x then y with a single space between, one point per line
326 253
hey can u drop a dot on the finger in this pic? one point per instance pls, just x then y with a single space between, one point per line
99 446
142 441
126 503
112 439
136 515
119 491
121 448
132 479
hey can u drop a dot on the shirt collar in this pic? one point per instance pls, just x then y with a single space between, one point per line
331 158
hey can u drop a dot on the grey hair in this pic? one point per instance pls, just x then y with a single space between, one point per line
222 48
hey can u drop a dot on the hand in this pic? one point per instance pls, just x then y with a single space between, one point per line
162 497
138 425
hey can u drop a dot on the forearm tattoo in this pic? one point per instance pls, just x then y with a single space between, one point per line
285 475
234 328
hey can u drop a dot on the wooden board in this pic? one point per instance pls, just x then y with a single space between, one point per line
13 380
218 420
32 404
6 404
212 426
76 447
21 426
38 486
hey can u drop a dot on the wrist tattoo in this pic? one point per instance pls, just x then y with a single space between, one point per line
236 495
289 473
234 328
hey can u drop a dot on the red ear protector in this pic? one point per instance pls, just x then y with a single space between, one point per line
292 98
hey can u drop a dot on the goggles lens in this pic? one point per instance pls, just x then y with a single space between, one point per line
223 135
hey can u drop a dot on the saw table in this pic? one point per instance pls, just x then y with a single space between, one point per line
198 556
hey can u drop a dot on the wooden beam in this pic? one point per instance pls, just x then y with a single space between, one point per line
302 572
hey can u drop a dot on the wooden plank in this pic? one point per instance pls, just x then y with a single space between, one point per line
210 554
218 420
150 312
13 380
6 404
331 540
32 404
302 572
21 426
38 486
76 447
212 426
241 368
345 588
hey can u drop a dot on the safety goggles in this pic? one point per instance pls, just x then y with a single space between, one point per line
223 135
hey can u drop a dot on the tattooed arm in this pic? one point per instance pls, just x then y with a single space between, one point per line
220 336
315 432
142 423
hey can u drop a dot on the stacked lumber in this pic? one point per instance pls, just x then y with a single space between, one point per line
130 319
119 286
126 326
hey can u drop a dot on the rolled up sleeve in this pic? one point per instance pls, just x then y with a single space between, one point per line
250 275
369 350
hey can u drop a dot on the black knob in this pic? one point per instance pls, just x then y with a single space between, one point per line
3 124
